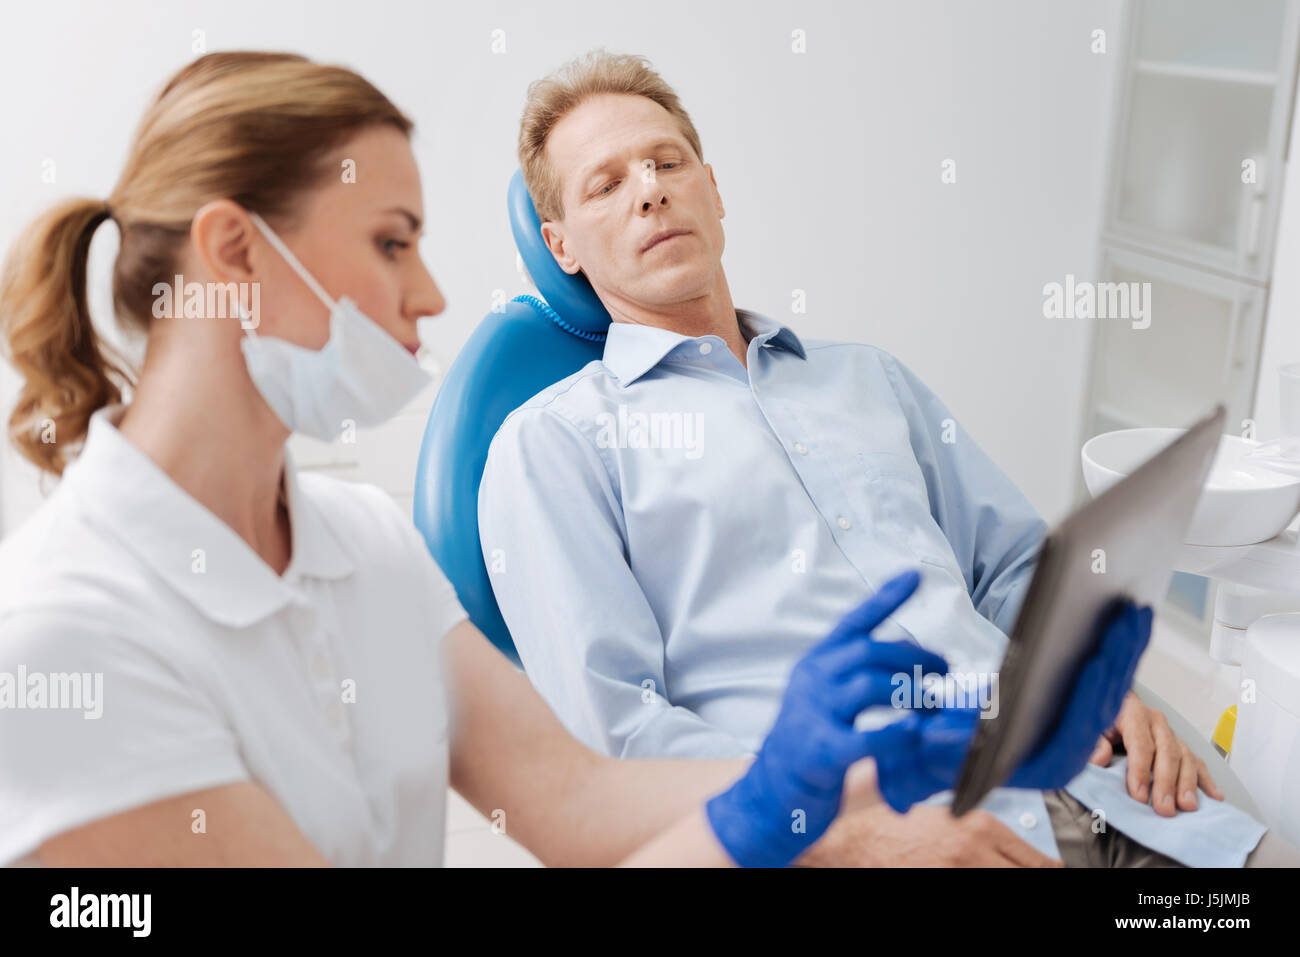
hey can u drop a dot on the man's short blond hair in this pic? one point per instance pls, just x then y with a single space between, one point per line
552 97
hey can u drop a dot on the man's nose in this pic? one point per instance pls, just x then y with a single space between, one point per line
660 199
653 195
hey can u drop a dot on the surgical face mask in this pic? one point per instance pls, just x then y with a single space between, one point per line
362 375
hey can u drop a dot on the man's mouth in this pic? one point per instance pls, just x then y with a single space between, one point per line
663 237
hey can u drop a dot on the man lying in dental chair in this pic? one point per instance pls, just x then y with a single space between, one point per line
682 520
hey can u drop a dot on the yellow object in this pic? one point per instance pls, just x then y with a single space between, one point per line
1223 731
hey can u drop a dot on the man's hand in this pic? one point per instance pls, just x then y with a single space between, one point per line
1154 751
923 837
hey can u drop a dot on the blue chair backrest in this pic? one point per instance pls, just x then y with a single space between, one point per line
510 357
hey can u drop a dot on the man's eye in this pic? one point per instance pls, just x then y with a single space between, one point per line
606 188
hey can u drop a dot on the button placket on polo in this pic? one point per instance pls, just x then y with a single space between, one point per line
322 668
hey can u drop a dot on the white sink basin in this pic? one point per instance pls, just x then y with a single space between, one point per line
1242 502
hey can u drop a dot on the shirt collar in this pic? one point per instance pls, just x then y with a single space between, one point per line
632 350
127 493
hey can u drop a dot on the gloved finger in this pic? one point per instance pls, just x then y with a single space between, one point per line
844 658
904 778
856 693
901 737
1106 676
937 739
877 608
1122 645
946 732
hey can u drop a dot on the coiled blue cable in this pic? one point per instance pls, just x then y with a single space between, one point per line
554 316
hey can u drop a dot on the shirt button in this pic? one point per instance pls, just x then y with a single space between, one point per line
843 522
1028 821
756 390
706 348
801 448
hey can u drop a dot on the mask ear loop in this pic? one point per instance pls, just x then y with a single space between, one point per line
292 260
246 321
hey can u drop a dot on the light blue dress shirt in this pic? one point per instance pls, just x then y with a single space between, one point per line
668 531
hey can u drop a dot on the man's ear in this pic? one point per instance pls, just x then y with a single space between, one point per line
717 197
555 243
221 236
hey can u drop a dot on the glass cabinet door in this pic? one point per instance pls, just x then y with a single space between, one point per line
1204 128
1200 345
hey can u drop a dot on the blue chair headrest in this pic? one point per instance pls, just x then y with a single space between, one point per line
571 297
512 355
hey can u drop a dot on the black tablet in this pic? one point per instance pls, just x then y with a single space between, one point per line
1121 544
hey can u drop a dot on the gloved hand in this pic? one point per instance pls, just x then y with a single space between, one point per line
792 791
1094 705
943 735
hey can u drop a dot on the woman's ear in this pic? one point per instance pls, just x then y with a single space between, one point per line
221 236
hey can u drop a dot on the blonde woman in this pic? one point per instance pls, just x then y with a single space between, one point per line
269 668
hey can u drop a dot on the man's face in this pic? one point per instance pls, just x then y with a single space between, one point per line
628 174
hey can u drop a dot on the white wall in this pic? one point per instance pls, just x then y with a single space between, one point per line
829 163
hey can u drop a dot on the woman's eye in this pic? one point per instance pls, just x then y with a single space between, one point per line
606 189
387 245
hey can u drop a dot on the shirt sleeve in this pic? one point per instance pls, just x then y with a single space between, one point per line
92 724
550 524
994 532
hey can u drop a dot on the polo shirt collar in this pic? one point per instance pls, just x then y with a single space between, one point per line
129 495
632 349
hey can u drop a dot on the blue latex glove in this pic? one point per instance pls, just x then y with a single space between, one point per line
791 793
906 777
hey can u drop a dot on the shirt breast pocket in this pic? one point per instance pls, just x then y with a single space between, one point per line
897 508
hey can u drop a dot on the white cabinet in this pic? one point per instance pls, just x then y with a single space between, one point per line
1202 131
1201 346
1201 136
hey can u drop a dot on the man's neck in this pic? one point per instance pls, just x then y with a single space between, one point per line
710 315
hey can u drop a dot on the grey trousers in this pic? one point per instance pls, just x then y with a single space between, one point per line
1080 847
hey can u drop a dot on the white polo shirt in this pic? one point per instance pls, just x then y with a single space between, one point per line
323 685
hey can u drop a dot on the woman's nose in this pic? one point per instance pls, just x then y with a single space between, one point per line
427 300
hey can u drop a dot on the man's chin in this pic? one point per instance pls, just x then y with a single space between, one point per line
667 285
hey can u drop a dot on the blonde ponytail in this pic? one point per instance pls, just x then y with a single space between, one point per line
49 336
254 127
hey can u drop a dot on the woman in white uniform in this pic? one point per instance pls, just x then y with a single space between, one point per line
213 658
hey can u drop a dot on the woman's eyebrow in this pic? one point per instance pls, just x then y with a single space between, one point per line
413 219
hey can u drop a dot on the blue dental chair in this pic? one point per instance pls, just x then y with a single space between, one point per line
512 355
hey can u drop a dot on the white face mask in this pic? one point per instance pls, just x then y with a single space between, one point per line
362 375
